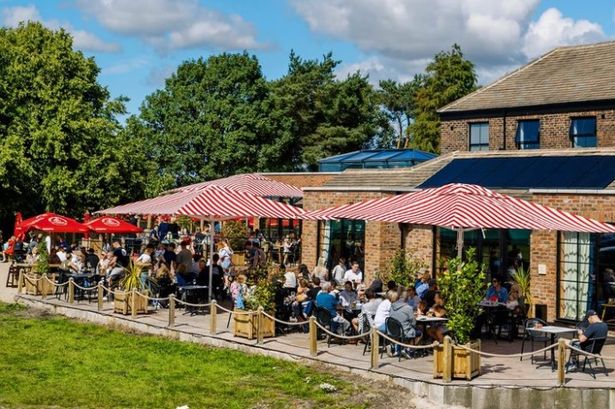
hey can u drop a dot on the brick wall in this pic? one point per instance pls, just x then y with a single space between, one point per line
554 131
302 179
544 244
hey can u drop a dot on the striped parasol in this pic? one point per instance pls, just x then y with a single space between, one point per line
253 183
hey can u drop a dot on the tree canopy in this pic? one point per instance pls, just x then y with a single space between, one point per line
60 144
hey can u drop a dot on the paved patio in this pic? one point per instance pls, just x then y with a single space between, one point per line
496 371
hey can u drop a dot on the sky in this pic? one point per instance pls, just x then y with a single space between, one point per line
139 43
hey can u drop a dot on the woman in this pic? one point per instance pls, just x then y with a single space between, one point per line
301 301
226 257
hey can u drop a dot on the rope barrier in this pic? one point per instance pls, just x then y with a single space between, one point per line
525 354
236 312
589 354
284 322
409 346
338 335
190 304
30 278
54 283
158 299
84 288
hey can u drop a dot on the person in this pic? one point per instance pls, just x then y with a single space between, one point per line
402 312
376 285
286 248
290 279
326 300
238 292
338 272
595 329
225 253
368 310
354 275
383 311
260 258
119 261
33 256
301 300
495 292
437 330
314 289
62 254
304 272
92 261
412 298
184 256
348 300
429 295
169 256
513 298
423 285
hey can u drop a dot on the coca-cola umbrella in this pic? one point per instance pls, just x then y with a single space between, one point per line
53 223
112 225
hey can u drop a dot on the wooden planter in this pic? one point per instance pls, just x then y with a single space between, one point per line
41 287
122 303
246 326
238 260
465 364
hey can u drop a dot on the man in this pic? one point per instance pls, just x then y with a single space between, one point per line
338 272
423 285
595 329
496 292
91 261
184 256
326 300
354 275
170 257
315 289
119 261
403 313
429 295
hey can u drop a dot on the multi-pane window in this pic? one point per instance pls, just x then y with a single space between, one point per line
528 134
583 132
479 136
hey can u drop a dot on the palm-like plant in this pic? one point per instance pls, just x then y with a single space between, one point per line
522 278
132 277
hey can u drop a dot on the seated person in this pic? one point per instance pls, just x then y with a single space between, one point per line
383 311
348 297
391 285
326 300
595 329
423 285
412 298
164 279
354 275
497 293
368 309
402 312
437 330
290 279
183 276
376 285
301 301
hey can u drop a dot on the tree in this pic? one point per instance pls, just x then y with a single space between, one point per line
60 144
209 121
448 77
397 99
316 115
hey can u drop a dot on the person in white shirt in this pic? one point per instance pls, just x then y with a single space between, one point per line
61 255
337 275
382 313
290 280
354 275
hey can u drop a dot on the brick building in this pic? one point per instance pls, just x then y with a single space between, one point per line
545 132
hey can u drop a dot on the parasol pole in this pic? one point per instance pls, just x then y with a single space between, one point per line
211 256
459 243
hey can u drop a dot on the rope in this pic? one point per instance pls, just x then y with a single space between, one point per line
30 278
506 355
283 322
192 305
236 312
84 288
53 282
158 299
385 336
338 335
589 354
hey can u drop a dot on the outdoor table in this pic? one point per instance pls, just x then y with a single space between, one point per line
553 331
604 307
194 294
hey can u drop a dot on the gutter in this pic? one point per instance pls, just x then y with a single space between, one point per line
360 189
574 191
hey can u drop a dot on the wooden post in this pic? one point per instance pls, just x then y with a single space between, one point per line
561 362
20 281
214 318
447 376
71 290
171 310
133 303
313 337
259 325
43 289
375 352
101 293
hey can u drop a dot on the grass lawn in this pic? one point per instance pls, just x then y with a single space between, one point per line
53 361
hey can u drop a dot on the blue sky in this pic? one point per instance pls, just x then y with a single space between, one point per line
139 43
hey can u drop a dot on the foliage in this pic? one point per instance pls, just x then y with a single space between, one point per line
397 100
132 277
522 278
261 294
448 77
402 268
462 287
44 376
61 146
42 262
236 234
184 222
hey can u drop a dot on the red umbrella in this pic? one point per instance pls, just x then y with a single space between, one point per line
108 224
53 223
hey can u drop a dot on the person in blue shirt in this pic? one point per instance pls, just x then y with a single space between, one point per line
423 286
496 292
326 300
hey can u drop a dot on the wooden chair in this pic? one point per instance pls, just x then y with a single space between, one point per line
13 276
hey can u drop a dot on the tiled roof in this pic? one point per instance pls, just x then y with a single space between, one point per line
408 178
572 74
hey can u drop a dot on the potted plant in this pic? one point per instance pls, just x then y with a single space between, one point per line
129 286
40 268
522 278
261 294
236 234
462 287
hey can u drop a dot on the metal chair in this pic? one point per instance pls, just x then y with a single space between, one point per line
324 318
593 346
394 330
367 328
530 334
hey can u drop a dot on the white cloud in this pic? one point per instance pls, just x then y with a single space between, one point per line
82 40
400 34
169 24
125 66
382 68
553 29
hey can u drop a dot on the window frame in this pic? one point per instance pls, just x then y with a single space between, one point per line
575 137
523 145
479 145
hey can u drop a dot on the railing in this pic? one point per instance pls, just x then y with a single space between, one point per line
313 327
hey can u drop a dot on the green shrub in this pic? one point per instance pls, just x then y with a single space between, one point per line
402 268
42 262
236 234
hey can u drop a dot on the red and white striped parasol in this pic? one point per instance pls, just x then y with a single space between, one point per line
253 183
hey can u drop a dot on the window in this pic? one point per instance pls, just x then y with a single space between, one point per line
528 134
479 136
343 238
583 132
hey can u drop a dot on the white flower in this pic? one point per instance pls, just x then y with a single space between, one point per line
328 388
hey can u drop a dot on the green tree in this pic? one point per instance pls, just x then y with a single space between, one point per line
397 99
60 144
209 121
448 77
316 115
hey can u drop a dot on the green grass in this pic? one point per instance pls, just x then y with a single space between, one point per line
53 361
